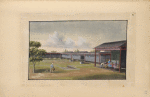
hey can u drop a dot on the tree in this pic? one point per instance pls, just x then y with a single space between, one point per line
76 50
66 50
35 54
34 44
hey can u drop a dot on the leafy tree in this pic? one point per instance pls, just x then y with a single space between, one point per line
66 50
76 50
34 44
35 54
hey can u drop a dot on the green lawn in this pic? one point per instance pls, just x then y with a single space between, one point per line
85 71
60 63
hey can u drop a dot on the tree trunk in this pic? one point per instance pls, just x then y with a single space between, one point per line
33 67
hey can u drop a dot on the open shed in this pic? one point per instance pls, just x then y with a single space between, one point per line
118 52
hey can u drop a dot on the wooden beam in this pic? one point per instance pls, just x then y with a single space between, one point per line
108 49
123 49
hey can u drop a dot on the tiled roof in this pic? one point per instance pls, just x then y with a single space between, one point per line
112 44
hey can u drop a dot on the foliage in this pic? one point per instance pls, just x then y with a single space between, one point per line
34 44
35 54
76 50
66 50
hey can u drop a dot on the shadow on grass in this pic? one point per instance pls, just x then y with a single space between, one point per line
46 71
41 70
101 77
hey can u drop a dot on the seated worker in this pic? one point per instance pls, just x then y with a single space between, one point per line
109 64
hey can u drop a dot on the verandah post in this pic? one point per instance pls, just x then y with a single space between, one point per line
95 58
99 58
110 55
84 57
120 61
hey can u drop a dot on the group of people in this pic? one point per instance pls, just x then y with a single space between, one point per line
110 64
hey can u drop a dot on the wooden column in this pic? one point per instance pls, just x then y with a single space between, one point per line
120 61
84 57
95 58
105 57
110 55
99 58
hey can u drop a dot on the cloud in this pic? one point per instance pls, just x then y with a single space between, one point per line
58 41
55 40
69 43
82 43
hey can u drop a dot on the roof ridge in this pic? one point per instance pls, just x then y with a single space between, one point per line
115 41
112 43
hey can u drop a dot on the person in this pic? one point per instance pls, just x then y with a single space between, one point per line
52 68
109 65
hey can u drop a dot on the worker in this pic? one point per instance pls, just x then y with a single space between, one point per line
52 68
109 65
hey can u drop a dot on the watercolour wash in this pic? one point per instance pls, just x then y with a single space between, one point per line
77 50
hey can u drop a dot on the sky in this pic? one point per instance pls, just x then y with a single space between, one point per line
72 35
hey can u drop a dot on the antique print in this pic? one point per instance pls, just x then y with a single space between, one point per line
77 50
